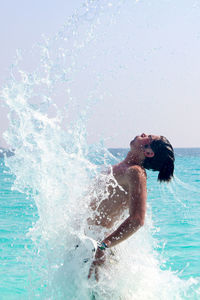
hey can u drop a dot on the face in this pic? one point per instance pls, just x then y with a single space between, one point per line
143 140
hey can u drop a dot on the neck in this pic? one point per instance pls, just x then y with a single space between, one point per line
134 159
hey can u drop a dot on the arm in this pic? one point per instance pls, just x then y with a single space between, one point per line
136 179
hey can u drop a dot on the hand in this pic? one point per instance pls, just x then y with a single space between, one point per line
98 261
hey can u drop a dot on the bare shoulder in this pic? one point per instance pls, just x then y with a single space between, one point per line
136 173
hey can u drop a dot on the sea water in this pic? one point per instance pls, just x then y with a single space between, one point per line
161 261
47 185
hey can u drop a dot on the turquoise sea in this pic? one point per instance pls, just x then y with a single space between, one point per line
174 237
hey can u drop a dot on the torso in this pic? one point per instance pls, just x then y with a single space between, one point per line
108 210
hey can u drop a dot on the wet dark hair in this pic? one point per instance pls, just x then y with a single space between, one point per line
163 160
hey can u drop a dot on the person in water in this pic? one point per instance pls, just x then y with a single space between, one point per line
146 152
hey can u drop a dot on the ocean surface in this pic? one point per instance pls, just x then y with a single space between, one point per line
173 210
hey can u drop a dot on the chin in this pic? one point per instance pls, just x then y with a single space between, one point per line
132 142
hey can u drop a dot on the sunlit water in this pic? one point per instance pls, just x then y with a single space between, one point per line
46 186
161 261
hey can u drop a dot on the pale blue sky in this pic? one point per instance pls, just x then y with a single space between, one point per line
148 60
